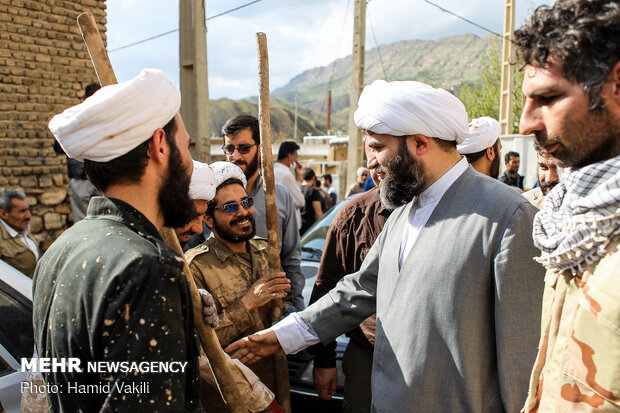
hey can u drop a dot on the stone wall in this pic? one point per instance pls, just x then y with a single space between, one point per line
44 68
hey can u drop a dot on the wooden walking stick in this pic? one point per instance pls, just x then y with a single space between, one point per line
269 186
208 338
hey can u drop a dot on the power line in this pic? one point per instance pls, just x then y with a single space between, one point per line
176 30
462 18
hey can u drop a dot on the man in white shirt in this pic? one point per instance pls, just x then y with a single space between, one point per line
16 246
451 276
287 158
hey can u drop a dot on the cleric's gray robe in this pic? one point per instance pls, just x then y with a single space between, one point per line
457 328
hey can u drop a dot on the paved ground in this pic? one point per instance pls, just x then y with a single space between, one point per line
306 404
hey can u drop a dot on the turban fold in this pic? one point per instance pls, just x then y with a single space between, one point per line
483 132
224 171
411 108
202 185
117 118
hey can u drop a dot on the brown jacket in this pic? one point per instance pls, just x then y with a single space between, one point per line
228 276
14 252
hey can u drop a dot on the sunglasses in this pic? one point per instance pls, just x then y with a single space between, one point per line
234 206
242 149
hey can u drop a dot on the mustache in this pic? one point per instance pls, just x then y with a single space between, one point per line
249 217
381 170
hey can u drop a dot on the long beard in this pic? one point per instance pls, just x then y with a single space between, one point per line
176 205
494 168
404 180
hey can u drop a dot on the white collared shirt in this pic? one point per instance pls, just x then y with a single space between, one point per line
23 236
424 205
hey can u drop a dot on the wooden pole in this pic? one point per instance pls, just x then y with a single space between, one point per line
269 186
208 338
506 100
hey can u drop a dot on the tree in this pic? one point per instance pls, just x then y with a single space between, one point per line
482 98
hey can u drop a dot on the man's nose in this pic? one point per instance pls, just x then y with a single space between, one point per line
196 225
530 121
551 176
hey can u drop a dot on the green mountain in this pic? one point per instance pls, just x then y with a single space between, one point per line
448 63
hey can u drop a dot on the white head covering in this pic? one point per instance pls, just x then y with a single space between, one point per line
411 108
118 117
202 185
483 132
225 170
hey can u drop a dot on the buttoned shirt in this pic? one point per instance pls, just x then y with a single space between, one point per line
284 176
23 237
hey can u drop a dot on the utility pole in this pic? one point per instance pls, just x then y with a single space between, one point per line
194 86
295 135
508 71
355 156
329 111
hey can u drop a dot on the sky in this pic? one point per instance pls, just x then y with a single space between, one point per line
301 34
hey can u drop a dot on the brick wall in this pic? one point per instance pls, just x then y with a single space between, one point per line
44 68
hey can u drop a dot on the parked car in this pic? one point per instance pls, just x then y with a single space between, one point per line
16 336
300 365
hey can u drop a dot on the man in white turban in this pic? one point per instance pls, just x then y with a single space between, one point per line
451 276
232 265
483 147
109 289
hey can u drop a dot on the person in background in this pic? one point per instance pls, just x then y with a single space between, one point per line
326 201
511 175
361 175
571 87
483 147
312 211
287 160
327 184
80 188
17 248
548 178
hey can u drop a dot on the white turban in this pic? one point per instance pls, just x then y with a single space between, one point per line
483 132
202 185
225 170
411 108
117 118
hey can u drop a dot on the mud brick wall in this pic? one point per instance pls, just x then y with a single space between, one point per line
44 68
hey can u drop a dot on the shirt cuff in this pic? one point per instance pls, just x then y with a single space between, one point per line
294 334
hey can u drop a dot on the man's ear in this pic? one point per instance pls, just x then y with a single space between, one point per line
491 153
158 147
614 79
209 221
418 143
3 214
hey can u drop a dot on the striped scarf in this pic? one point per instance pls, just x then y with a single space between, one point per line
580 217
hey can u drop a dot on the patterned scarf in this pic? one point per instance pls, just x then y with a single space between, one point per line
580 217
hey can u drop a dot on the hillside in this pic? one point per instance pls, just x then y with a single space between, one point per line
448 63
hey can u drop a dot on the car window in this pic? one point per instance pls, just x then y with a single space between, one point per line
5 368
15 322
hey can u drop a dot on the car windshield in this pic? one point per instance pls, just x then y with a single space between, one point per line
313 241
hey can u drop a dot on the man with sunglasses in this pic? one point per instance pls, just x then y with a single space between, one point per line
241 141
232 266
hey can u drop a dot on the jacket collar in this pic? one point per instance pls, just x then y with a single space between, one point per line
101 207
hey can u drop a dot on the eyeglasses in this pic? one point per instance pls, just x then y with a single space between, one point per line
242 149
234 206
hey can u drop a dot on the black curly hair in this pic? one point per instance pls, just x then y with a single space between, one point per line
583 35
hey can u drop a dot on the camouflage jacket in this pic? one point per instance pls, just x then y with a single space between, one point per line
578 363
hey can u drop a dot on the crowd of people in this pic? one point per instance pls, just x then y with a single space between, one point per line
459 293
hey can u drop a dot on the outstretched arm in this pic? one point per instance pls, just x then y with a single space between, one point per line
253 348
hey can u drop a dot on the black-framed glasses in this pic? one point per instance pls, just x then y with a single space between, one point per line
242 149
234 206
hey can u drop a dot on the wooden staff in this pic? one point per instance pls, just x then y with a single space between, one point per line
271 215
208 338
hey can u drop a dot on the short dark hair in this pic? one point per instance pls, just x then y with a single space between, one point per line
90 89
240 122
128 168
473 157
445 145
581 34
211 204
328 176
307 174
6 199
510 155
287 148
